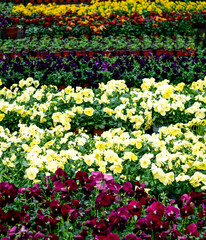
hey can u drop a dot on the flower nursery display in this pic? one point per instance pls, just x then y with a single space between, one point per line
103 120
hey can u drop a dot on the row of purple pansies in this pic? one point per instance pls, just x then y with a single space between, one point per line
97 207
76 71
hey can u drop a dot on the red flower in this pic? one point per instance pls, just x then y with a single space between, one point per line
100 180
60 186
55 207
103 199
130 236
128 187
8 193
114 219
39 235
13 217
156 209
87 189
71 184
82 176
196 198
186 211
160 236
175 233
65 209
112 236
171 212
135 208
192 231
76 203
60 173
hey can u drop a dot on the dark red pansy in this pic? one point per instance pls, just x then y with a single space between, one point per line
112 236
130 236
71 185
135 208
171 212
123 212
157 209
13 217
196 198
73 214
91 223
175 234
160 236
128 187
52 236
25 207
55 207
65 209
102 200
87 189
8 192
101 227
59 186
192 230
82 176
186 211
143 224
113 219
60 173
76 203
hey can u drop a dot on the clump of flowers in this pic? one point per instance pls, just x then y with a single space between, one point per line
97 207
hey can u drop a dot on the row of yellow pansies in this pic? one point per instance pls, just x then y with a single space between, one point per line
111 105
172 161
108 7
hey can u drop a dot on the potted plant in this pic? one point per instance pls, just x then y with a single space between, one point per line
7 46
169 45
135 45
69 45
18 47
8 27
43 47
121 43
1 51
108 43
94 46
57 46
147 46
190 46
179 45
82 44
30 45
159 44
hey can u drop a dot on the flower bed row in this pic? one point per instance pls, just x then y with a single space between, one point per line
41 121
111 105
97 44
124 7
68 23
84 71
95 24
96 207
